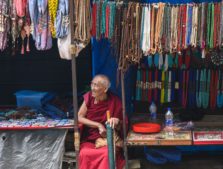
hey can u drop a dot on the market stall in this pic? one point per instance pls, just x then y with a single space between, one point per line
37 22
174 49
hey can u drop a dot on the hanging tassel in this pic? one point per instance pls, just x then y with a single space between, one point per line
23 35
22 49
27 45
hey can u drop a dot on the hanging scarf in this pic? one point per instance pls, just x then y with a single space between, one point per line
43 34
20 7
14 31
33 12
4 28
62 19
63 46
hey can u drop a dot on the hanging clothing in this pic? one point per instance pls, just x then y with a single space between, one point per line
64 46
4 26
90 157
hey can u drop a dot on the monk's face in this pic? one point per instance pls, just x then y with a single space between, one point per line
97 87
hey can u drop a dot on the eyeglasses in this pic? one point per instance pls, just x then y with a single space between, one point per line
97 85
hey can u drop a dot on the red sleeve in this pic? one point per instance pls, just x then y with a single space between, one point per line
87 97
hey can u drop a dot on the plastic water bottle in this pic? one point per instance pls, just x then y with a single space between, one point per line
153 109
169 118
169 122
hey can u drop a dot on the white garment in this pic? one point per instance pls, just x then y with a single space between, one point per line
64 46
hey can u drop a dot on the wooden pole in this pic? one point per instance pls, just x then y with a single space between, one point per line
124 117
74 86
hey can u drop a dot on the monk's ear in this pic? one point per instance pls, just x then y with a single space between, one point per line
106 89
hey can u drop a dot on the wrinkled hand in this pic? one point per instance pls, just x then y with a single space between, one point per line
114 122
102 130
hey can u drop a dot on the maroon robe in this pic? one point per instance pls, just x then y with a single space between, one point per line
97 158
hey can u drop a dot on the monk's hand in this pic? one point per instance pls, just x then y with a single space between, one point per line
114 122
102 130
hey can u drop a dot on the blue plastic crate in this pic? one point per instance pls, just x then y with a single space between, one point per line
33 99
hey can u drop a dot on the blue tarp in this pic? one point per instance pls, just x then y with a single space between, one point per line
103 62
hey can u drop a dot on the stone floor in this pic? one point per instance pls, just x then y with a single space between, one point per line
188 162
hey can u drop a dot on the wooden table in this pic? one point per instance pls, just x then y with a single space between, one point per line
157 139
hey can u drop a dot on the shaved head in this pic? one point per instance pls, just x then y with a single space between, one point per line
104 80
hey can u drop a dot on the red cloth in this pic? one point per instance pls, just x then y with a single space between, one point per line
90 157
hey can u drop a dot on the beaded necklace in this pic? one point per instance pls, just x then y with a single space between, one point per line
180 93
112 19
172 84
192 88
98 23
160 61
199 25
107 20
169 87
166 86
194 26
156 60
152 31
144 87
184 25
198 88
179 29
166 62
211 43
202 31
156 86
103 18
162 87
216 25
150 86
185 88
173 29
220 90
94 18
205 79
213 88
138 81
158 28
189 24
221 25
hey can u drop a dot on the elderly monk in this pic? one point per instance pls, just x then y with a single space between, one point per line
92 115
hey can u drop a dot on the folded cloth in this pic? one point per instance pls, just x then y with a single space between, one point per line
100 142
53 111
